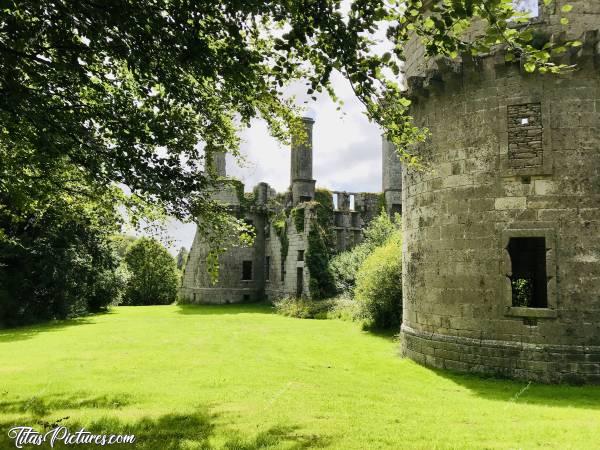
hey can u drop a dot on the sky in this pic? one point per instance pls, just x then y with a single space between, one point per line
346 152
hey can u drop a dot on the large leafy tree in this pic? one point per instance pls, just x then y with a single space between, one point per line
129 92
153 274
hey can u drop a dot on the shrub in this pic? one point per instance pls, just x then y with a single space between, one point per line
302 308
343 308
379 286
57 264
154 276
344 266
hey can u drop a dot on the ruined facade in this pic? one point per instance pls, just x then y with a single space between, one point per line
277 265
501 258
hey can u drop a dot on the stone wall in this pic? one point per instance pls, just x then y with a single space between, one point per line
277 286
197 287
461 213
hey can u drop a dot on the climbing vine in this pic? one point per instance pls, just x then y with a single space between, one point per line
280 227
320 246
298 216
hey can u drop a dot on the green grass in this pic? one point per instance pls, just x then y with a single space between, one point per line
240 377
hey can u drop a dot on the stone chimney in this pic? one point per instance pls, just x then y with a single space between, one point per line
301 179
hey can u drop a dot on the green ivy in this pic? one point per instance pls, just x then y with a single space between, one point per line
298 216
321 246
317 260
381 205
280 227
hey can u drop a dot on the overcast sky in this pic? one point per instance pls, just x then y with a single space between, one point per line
346 152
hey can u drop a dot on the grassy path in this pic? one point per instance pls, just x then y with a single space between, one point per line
240 377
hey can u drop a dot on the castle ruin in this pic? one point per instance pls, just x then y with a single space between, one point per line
289 226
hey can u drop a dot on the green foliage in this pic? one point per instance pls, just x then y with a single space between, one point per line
302 308
58 263
324 210
321 282
345 266
344 308
522 292
280 227
154 275
121 242
298 218
320 245
379 285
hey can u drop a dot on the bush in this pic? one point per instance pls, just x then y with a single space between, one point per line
344 266
57 264
343 308
302 308
379 286
153 274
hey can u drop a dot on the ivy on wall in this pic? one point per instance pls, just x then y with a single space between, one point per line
298 216
280 227
320 246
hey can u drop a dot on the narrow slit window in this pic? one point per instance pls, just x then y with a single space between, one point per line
300 255
529 278
247 270
267 268
299 281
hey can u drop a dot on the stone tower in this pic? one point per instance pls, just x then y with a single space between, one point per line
501 258
392 177
301 176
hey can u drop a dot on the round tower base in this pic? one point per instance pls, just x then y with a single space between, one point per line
530 362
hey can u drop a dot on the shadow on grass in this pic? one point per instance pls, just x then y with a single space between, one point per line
29 331
39 406
245 308
391 335
523 392
169 432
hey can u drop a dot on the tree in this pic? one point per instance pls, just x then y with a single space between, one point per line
126 91
141 94
59 263
153 274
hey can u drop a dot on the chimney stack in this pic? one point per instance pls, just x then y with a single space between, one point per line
303 185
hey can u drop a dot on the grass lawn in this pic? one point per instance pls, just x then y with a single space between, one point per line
241 377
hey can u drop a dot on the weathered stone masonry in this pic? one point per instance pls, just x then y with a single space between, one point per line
518 165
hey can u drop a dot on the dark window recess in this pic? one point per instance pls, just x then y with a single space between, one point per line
282 270
300 255
268 230
267 268
246 298
299 281
396 208
305 198
247 270
528 280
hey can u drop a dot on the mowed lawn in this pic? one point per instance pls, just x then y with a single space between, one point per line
242 377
